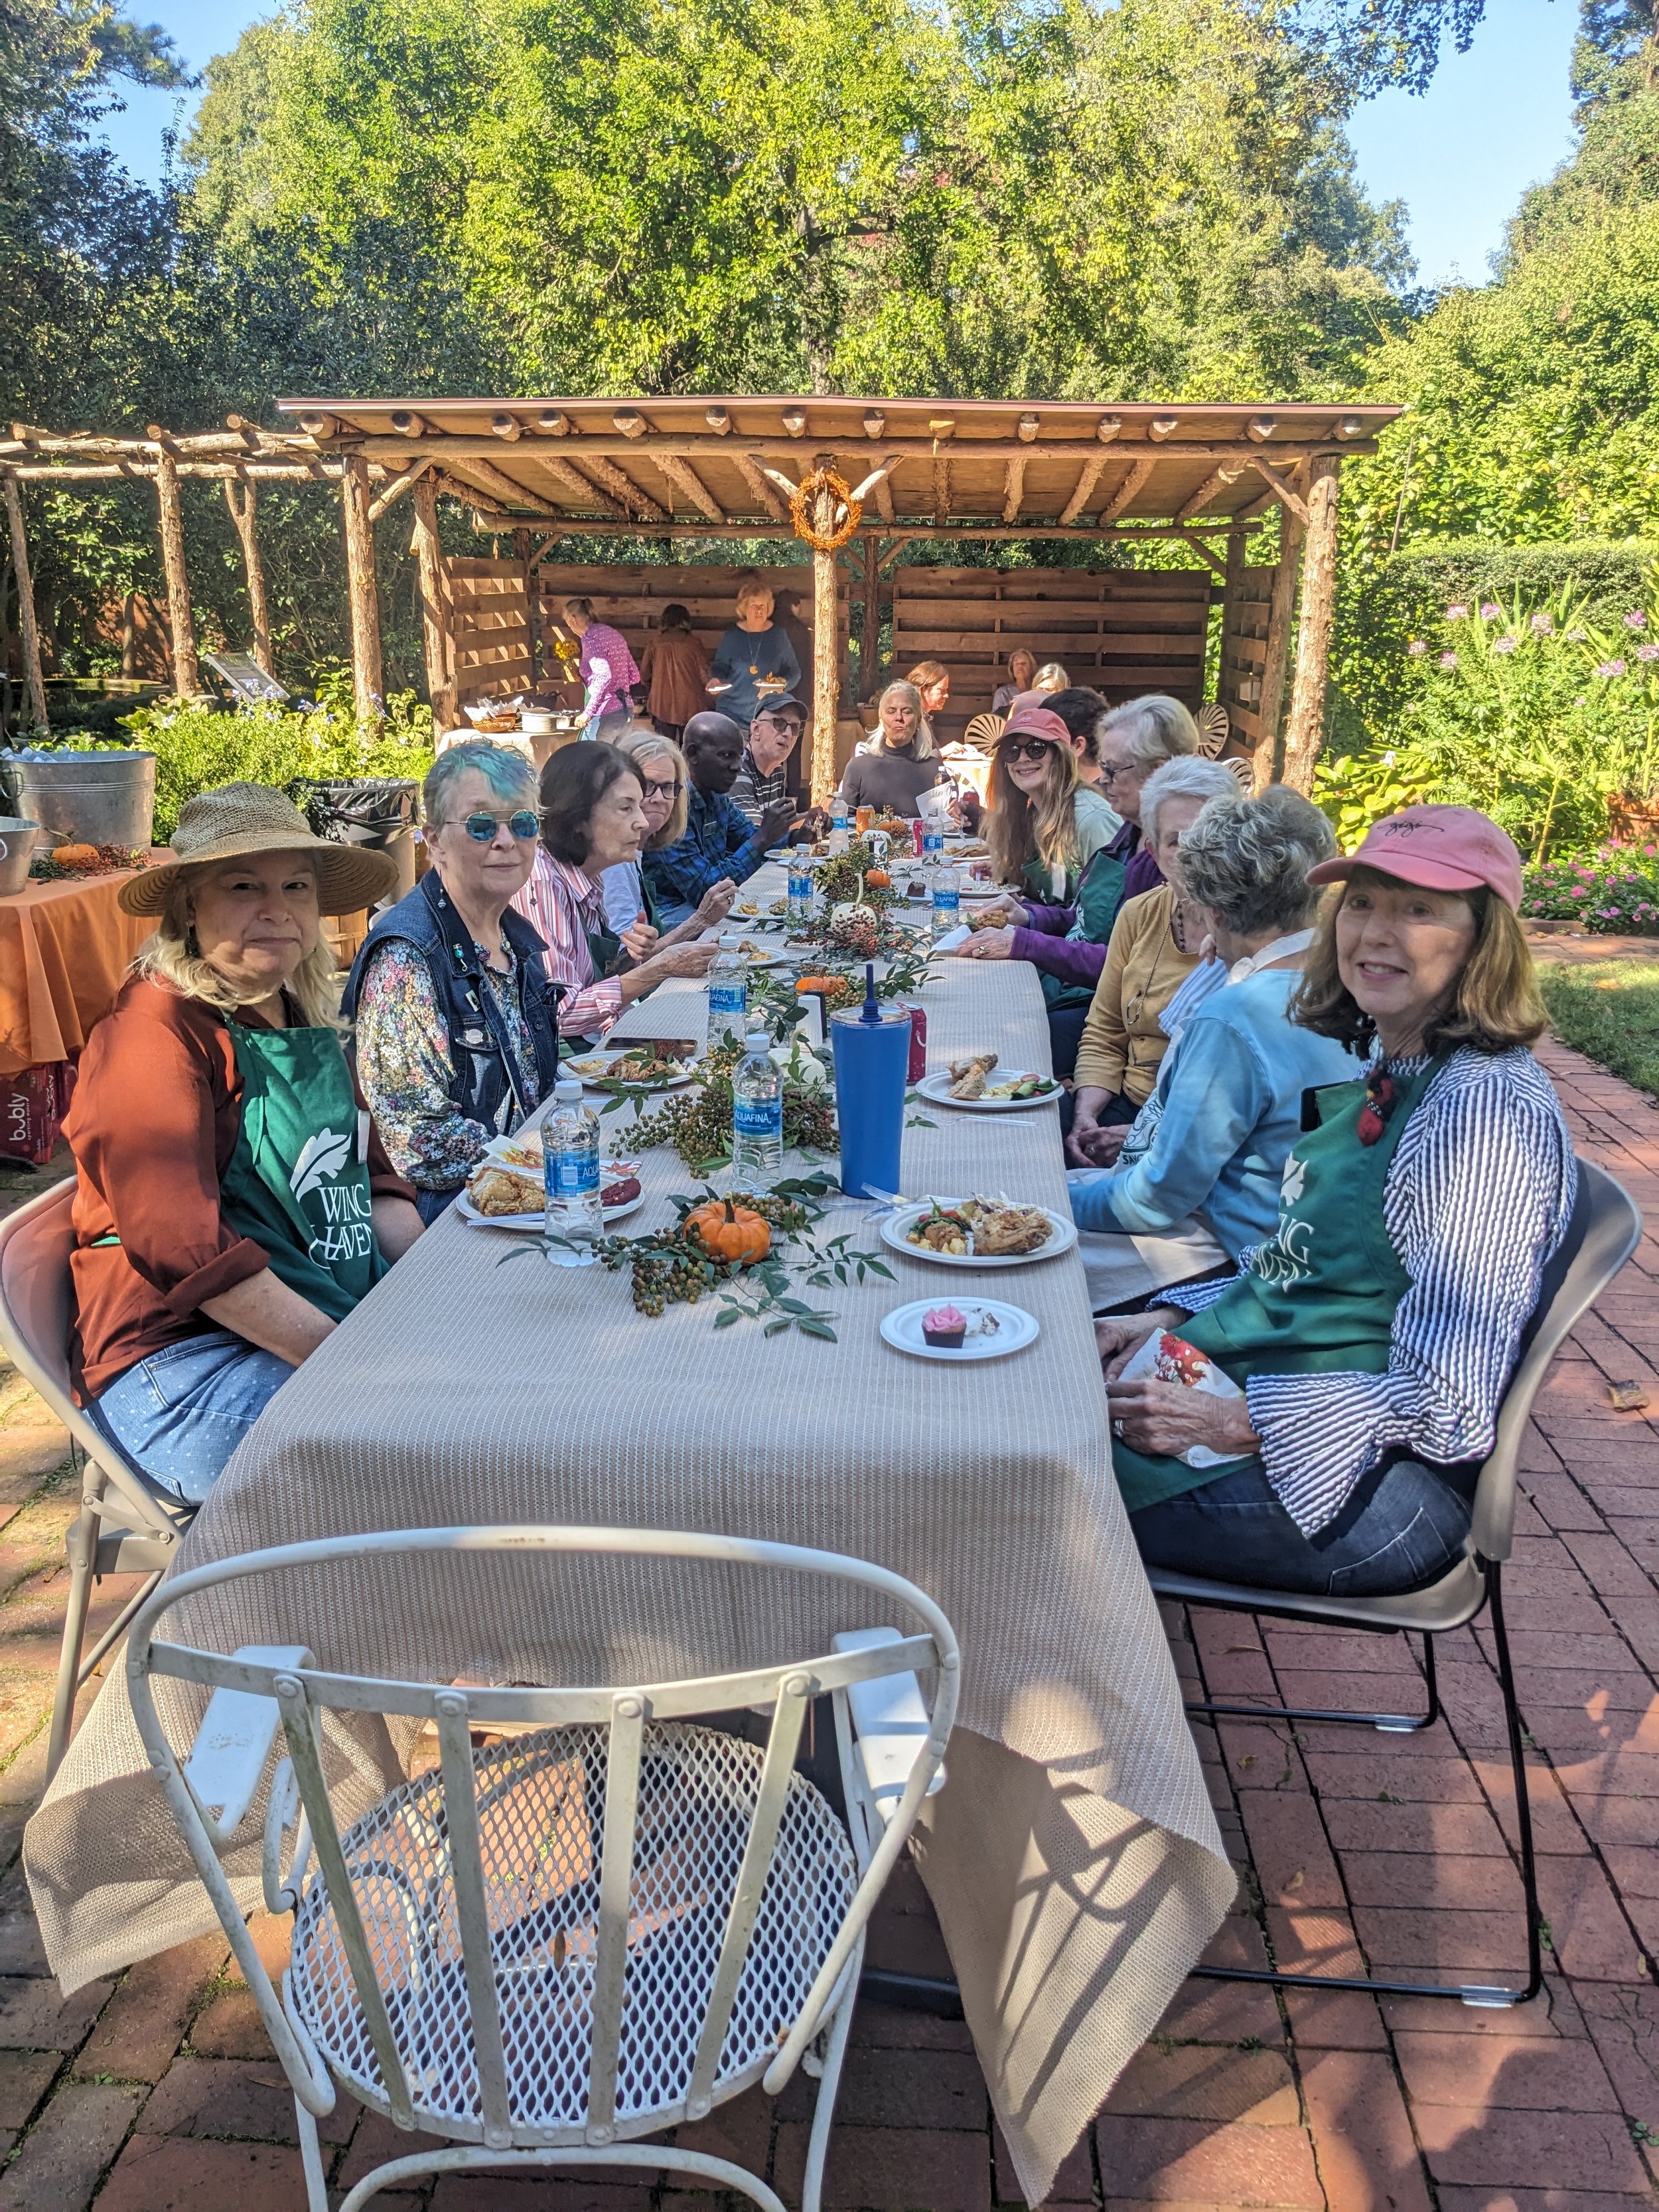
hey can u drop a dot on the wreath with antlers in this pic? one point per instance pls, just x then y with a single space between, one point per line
803 506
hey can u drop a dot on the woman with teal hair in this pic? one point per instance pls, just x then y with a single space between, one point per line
457 1027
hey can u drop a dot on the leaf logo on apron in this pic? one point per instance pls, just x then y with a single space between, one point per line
321 1156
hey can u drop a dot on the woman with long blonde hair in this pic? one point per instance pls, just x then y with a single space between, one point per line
233 1200
1044 825
899 761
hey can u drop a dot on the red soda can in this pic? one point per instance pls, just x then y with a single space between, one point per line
918 1067
916 837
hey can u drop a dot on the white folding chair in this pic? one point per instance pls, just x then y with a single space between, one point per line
37 1309
605 1923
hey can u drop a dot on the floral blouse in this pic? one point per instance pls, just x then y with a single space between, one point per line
404 1066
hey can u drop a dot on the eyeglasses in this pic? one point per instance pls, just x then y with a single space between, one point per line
1031 748
481 827
669 791
1109 771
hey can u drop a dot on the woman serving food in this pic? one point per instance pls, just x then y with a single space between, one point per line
1367 1343
233 1201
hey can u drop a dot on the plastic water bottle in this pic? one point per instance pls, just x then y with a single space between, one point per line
946 900
570 1166
729 990
841 833
801 888
757 1117
932 844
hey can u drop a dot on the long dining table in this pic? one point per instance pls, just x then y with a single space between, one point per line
1072 1856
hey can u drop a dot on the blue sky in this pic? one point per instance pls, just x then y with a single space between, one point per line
1495 120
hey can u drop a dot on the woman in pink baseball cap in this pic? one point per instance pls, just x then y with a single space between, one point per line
1363 1352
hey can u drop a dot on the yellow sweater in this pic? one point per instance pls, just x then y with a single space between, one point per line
1121 1043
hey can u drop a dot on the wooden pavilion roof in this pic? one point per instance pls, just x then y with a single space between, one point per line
975 467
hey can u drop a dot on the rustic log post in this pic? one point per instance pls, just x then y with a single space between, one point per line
870 636
1231 584
258 606
823 655
35 684
1280 604
1305 734
187 676
532 604
435 624
368 679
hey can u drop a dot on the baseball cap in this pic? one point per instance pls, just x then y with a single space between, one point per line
784 699
1440 848
1035 722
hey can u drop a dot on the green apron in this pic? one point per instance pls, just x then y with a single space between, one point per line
1319 1299
604 949
1099 895
298 1180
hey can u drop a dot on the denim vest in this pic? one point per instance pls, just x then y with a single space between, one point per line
481 1074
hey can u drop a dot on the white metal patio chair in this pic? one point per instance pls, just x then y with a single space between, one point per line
605 1923
37 1307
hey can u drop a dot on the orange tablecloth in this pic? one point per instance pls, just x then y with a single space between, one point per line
63 950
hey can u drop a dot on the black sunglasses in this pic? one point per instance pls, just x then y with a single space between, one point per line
1033 749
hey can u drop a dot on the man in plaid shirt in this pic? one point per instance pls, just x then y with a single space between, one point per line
720 844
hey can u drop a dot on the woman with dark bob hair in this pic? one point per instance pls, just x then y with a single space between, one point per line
1372 1335
593 818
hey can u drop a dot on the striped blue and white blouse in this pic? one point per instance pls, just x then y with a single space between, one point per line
1477 1197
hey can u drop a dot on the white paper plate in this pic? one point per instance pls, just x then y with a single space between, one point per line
536 1222
901 1328
937 1089
584 1065
893 1229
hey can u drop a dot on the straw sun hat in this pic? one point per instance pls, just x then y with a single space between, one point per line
251 818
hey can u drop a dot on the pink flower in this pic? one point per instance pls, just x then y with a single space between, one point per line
1635 619
1506 645
1457 612
1449 660
1577 636
1647 651
1609 667
1417 645
1543 625
1489 610
1581 890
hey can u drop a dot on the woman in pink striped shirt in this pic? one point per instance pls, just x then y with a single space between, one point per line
593 818
607 668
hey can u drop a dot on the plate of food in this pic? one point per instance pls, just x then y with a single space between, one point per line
646 1064
504 1190
966 1329
978 1232
761 910
979 1081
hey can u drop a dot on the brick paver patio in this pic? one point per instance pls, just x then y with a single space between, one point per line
159 2093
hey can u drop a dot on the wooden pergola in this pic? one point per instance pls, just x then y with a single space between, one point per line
898 469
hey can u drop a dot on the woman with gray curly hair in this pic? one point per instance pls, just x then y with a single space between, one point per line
1197 1179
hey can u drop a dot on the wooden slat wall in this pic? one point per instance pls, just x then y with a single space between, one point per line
1126 631
1245 655
491 628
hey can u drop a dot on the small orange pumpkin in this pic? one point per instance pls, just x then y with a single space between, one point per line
879 880
78 856
731 1231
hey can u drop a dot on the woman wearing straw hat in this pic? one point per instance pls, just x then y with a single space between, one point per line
233 1202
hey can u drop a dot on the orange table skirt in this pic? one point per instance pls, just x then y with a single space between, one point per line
63 950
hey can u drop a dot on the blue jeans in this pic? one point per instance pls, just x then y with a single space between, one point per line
1402 1529
180 1413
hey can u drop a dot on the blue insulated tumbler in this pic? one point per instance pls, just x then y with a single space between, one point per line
872 1045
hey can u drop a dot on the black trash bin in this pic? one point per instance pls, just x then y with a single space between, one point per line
376 810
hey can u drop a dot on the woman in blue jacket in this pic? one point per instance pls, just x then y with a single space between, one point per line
1198 1178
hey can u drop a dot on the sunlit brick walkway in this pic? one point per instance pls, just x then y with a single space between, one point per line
160 2095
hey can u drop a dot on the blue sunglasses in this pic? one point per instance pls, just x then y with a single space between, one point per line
481 827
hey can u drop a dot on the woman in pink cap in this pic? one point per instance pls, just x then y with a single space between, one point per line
1371 1339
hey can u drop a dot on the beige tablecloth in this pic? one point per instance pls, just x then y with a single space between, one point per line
1072 1856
